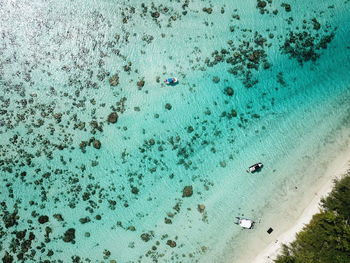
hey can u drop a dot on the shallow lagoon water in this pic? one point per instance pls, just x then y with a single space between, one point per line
288 73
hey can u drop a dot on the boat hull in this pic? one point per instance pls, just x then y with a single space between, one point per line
255 167
171 81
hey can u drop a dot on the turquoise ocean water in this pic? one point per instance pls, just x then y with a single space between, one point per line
258 81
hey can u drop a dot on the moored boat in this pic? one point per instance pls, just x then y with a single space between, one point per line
245 223
255 167
171 81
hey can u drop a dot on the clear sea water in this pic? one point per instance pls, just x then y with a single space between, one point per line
258 81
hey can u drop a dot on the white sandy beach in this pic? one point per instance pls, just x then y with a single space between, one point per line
337 169
294 205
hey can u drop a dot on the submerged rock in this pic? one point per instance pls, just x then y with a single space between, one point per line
261 4
208 10
229 91
316 24
21 234
167 221
233 113
7 258
43 219
112 117
201 208
31 236
84 220
141 83
287 7
145 237
135 190
131 228
10 219
114 80
69 235
155 14
216 79
96 144
168 106
58 217
187 191
171 243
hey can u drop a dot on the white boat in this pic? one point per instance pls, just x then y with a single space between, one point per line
170 81
245 223
255 167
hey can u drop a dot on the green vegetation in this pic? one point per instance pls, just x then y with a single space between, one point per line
326 239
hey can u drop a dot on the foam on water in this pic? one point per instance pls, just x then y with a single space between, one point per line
125 200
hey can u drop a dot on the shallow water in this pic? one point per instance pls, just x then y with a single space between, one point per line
254 85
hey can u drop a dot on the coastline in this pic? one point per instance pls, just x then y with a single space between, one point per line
336 170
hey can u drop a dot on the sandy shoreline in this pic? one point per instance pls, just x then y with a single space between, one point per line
337 169
294 200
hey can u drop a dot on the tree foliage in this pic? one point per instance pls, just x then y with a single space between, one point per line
339 199
326 239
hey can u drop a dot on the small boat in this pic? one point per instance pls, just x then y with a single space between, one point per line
255 167
245 223
170 81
